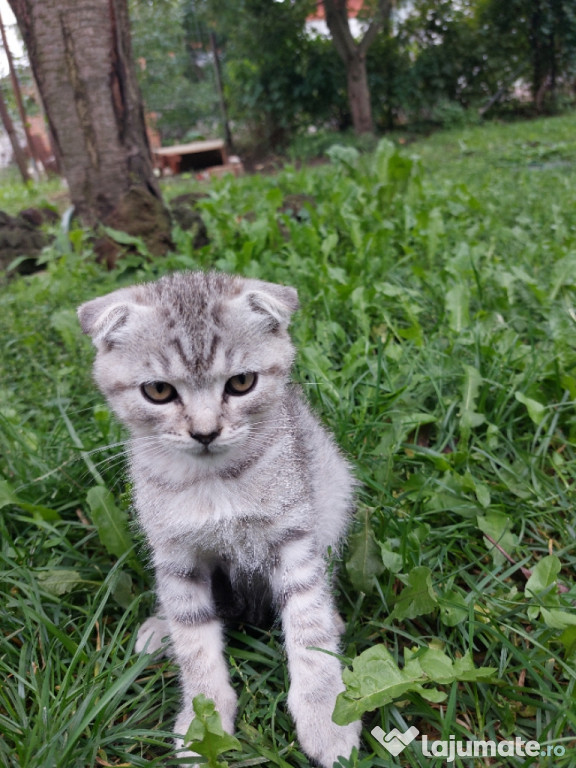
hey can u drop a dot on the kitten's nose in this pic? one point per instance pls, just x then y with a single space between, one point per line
205 439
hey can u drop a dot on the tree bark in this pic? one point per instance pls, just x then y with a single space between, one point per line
9 128
359 95
17 93
353 54
221 99
80 53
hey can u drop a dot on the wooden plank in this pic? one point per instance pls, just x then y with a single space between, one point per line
194 147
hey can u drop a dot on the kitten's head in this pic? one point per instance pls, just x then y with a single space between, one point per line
197 360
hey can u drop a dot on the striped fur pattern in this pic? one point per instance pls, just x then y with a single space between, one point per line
238 488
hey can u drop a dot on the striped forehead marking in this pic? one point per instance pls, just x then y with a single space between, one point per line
197 361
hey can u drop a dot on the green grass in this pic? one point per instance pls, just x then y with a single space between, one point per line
15 196
437 340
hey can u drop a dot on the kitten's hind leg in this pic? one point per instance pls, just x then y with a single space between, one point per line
153 636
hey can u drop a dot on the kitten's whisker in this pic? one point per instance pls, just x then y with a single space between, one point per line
147 444
124 443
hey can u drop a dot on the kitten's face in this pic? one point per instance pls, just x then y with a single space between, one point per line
198 361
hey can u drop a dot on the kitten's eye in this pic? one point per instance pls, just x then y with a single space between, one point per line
241 384
159 392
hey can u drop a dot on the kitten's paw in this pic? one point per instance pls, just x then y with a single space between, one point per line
181 752
321 738
339 625
226 709
153 636
181 726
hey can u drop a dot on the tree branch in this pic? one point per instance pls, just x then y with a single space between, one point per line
337 21
382 16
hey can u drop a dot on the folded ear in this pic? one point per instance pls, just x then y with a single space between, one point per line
103 317
275 302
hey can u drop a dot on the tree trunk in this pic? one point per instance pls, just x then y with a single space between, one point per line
353 54
9 128
539 68
80 53
221 99
359 94
17 93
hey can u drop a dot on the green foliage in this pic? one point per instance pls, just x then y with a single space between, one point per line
110 521
437 64
540 35
542 585
15 196
276 78
436 339
418 596
174 69
364 563
206 736
376 680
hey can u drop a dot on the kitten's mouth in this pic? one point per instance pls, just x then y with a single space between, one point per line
209 450
195 449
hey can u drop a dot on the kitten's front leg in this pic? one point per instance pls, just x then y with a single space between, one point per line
197 641
308 619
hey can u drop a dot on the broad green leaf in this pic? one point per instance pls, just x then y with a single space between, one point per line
364 564
497 525
384 152
536 410
338 275
469 417
544 575
457 306
275 197
123 589
483 494
563 273
123 238
343 156
435 230
7 496
453 608
418 597
59 581
110 521
206 736
328 244
402 427
442 670
65 321
392 560
375 679
568 640
556 618
409 422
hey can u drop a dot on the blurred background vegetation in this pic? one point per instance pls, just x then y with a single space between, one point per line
434 63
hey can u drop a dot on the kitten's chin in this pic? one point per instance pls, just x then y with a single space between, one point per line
203 453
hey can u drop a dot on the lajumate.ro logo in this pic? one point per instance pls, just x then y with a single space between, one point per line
395 742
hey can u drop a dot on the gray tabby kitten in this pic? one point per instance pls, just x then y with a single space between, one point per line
237 487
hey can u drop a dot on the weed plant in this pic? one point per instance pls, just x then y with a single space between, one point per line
437 340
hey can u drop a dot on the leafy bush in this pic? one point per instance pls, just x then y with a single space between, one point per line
451 114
